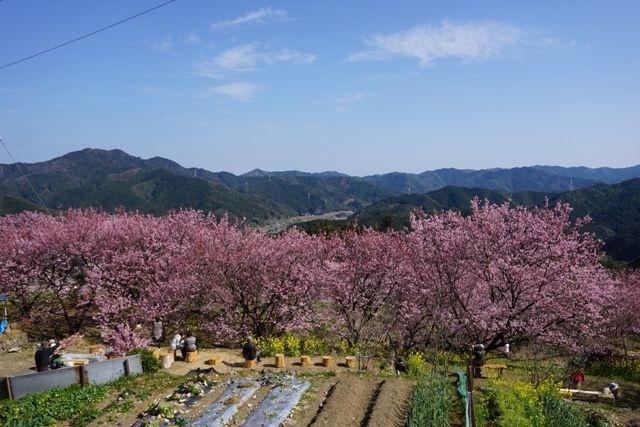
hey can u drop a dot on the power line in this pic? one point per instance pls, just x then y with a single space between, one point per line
22 173
122 21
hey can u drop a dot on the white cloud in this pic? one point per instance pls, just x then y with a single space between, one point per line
248 57
343 103
470 42
239 91
163 45
192 38
262 16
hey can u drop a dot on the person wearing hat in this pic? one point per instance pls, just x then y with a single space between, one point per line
43 355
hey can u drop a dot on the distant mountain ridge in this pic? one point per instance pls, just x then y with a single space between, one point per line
111 179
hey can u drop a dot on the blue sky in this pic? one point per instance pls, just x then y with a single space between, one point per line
360 87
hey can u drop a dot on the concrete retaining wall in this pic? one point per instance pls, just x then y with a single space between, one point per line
16 386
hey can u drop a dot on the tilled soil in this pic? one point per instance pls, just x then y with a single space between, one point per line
348 403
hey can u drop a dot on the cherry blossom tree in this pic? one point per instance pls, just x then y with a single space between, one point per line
142 274
501 274
525 275
257 283
365 273
624 316
44 266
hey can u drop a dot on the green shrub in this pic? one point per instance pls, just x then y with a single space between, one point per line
149 363
616 367
313 346
291 345
416 364
343 348
429 405
270 346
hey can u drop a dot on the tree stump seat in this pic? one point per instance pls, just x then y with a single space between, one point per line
327 361
214 361
191 357
350 361
305 360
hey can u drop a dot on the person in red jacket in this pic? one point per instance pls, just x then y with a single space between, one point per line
576 379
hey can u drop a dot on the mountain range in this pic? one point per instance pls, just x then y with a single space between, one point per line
113 179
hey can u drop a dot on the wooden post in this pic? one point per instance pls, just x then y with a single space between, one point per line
327 361
250 364
279 360
350 361
9 388
305 360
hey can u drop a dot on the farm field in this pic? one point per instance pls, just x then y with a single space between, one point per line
338 396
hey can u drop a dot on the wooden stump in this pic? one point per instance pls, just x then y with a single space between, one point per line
279 360
167 360
350 361
327 361
305 360
213 361
250 364
192 357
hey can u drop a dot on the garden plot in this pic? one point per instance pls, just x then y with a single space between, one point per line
348 403
278 404
220 412
273 410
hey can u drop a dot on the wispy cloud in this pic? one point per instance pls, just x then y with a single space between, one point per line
192 38
343 103
248 57
262 16
163 45
468 42
238 91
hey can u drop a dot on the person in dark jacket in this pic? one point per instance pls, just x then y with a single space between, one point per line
250 351
43 355
478 354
